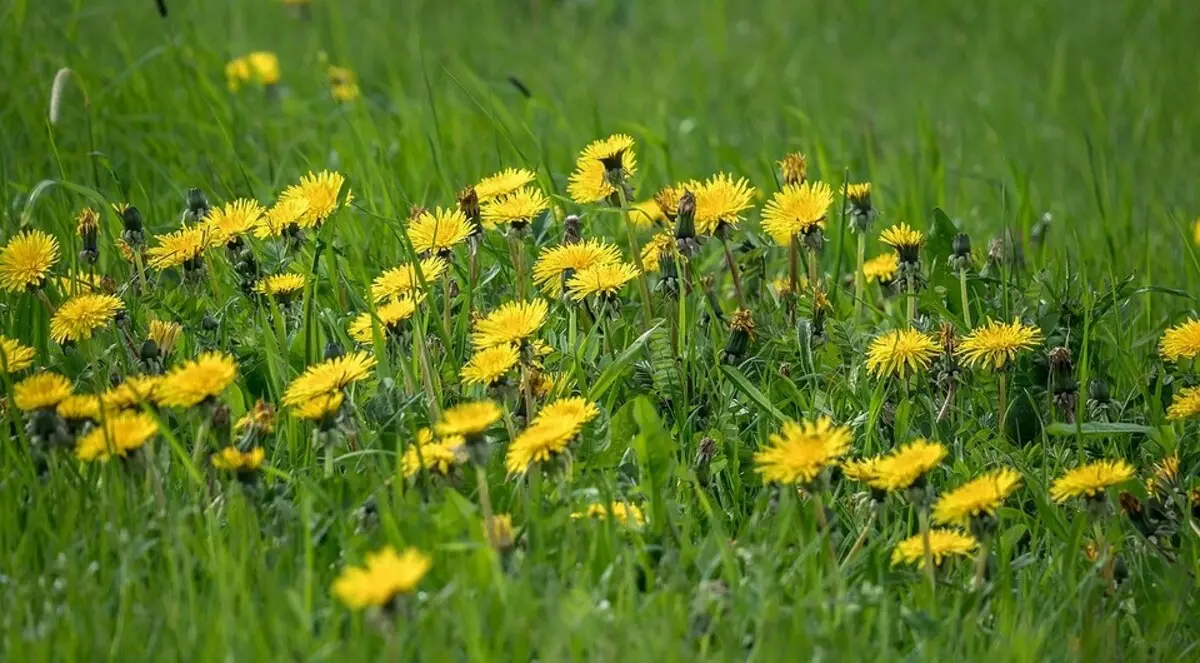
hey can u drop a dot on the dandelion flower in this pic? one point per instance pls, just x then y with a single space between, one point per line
182 247
795 210
881 268
540 443
439 231
1090 480
435 456
402 279
164 334
567 259
1181 341
901 353
261 67
343 84
260 419
79 407
14 355
975 498
604 280
996 343
860 469
329 376
905 240
661 246
668 197
80 282
590 183
1185 405
116 436
503 183
1166 471
517 209
232 459
284 216
943 544
801 450
720 201
576 410
197 381
385 575
390 316
280 285
320 407
490 365
134 391
906 465
234 219
646 213
794 169
82 315
320 191
41 391
514 322
468 419
26 260
629 515
859 195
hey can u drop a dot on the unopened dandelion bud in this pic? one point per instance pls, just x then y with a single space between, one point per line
333 351
572 229
148 351
793 169
685 225
1098 391
133 232
741 332
960 259
197 206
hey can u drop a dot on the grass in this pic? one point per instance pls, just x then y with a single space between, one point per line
1003 115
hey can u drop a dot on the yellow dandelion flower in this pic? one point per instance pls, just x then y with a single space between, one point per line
260 418
720 201
514 322
439 231
280 285
646 213
320 191
499 532
882 267
589 183
164 334
116 436
515 209
80 282
182 247
943 544
860 469
543 441
260 67
87 222
1185 405
14 355
385 575
196 381
390 316
982 495
901 353
800 451
1181 341
604 280
629 515
343 84
135 390
555 261
319 407
402 280
490 365
796 209
79 407
468 419
859 195
125 250
906 465
575 410
41 391
996 343
905 240
82 315
794 169
234 219
232 459
1090 480
436 457
329 376
661 246
283 215
503 183
26 260
1165 472
668 197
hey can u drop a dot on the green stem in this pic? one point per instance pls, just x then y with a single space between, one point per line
912 301
966 303
635 251
929 570
860 281
1003 406
733 271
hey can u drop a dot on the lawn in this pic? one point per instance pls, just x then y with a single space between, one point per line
289 374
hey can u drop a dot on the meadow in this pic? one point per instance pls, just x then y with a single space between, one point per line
585 330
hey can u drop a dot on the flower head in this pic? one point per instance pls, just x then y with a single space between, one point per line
135 390
164 334
541 442
503 183
81 315
390 316
943 544
438 231
905 240
795 210
901 353
859 195
514 322
882 267
280 285
590 183
320 407
14 355
490 365
343 84
26 260
646 213
41 391
1185 405
402 280
794 169
284 215
234 219
182 247
906 465
1181 341
626 514
860 469
116 436
604 280
261 67
468 419
661 245
260 419
197 381
576 410
801 451
233 459
385 575
566 259
996 343
975 498
435 456
329 376
80 282
517 209
720 202
320 191
1090 480
79 407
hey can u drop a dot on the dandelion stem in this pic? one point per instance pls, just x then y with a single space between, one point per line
793 276
527 391
929 570
328 457
485 498
446 304
966 304
643 287
814 260
733 271
860 281
862 537
981 561
518 261
1003 406
912 300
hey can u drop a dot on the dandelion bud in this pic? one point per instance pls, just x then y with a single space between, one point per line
333 351
794 169
500 533
88 226
1098 391
148 351
685 225
131 218
960 259
741 332
572 229
197 206
209 323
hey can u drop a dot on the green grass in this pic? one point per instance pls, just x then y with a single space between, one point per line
999 113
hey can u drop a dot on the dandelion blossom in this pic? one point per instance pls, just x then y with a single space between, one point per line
629 515
284 216
1181 341
320 191
435 456
385 575
906 465
117 436
82 315
794 169
901 353
280 285
232 459
905 240
321 407
390 316
576 410
566 259
468 419
1090 480
503 183
490 365
135 390
796 209
329 376
197 381
514 322
79 407
540 443
720 202
589 183
164 334
516 209
943 544
860 469
801 450
646 213
882 268
859 195
660 247
982 495
402 280
14 355
604 280
1185 405
234 219
996 343
26 260
41 391
438 231
182 247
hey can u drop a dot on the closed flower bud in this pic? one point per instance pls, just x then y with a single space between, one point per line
197 206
